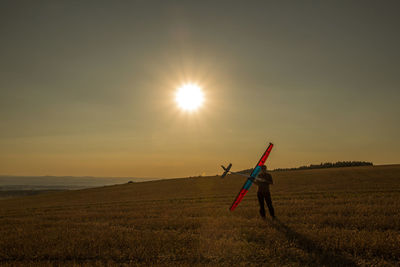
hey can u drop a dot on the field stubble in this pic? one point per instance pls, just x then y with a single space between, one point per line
331 217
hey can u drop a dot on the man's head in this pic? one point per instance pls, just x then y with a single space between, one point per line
264 168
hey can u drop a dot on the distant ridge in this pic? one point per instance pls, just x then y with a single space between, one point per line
8 182
338 164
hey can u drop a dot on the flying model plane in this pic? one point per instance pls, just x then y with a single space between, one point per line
249 182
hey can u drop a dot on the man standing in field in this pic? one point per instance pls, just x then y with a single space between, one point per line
263 181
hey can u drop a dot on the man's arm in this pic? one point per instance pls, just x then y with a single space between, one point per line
269 178
254 180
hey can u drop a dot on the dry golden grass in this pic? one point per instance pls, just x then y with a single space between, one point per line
331 217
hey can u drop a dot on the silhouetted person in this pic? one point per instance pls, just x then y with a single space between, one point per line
263 181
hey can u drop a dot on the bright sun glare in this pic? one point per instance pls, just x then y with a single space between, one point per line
189 97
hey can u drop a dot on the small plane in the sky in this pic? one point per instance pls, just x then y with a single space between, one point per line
249 182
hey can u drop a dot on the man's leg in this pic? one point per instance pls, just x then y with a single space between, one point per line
269 203
260 197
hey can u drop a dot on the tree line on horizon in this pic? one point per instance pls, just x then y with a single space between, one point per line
337 164
324 165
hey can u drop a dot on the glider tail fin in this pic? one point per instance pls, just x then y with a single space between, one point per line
226 170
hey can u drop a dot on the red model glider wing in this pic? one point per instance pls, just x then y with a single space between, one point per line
249 182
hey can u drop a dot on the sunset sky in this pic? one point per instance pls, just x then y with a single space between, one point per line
88 87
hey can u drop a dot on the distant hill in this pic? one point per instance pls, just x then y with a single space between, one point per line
8 183
338 164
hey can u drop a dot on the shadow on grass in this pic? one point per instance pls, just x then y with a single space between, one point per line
319 255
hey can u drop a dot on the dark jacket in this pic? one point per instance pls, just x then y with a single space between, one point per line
263 181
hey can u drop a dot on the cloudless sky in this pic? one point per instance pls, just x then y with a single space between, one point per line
87 87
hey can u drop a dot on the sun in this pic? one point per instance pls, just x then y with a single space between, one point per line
189 97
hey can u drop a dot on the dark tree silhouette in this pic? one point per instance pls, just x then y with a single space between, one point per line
329 165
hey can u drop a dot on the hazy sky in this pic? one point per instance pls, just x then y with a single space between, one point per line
87 87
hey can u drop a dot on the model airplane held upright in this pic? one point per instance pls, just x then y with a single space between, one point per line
245 188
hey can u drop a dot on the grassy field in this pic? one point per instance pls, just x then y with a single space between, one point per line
331 217
21 193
